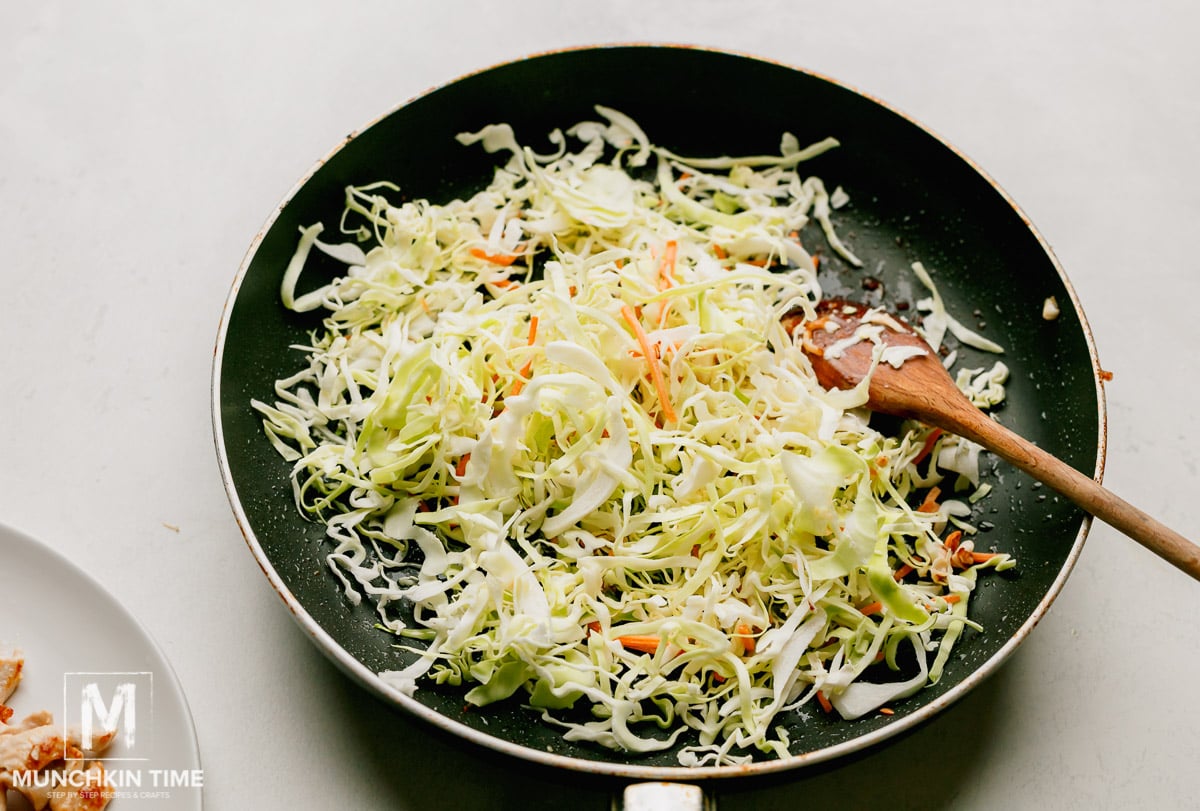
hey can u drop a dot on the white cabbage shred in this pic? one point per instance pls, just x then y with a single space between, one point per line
646 550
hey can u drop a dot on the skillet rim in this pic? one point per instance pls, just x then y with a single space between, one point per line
624 769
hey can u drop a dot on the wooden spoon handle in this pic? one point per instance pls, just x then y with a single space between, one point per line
1083 490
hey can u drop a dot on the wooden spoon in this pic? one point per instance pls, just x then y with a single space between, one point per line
920 388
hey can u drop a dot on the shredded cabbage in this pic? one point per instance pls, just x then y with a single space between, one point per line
645 550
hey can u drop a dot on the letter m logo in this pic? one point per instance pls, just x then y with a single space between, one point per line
112 713
123 706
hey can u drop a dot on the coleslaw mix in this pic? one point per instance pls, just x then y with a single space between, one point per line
561 423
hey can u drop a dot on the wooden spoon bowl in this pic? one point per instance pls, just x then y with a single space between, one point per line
849 342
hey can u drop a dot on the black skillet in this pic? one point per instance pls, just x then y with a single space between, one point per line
913 197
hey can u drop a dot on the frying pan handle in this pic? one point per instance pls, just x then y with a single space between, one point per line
664 797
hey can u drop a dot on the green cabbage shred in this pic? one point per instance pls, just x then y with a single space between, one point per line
477 429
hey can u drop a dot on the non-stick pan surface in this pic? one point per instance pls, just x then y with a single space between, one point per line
912 198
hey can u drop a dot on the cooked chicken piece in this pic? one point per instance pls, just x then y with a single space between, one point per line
12 661
31 749
36 719
88 797
38 798
36 743
84 799
31 746
38 746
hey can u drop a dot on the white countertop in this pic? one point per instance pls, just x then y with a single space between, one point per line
142 145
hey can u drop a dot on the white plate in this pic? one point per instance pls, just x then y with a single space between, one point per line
67 624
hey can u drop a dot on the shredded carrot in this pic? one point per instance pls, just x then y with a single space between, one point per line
872 608
927 448
645 644
594 626
666 267
903 571
503 259
651 361
719 252
930 504
982 557
502 283
666 279
886 711
824 702
460 469
950 599
745 634
520 381
523 375
963 558
952 540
